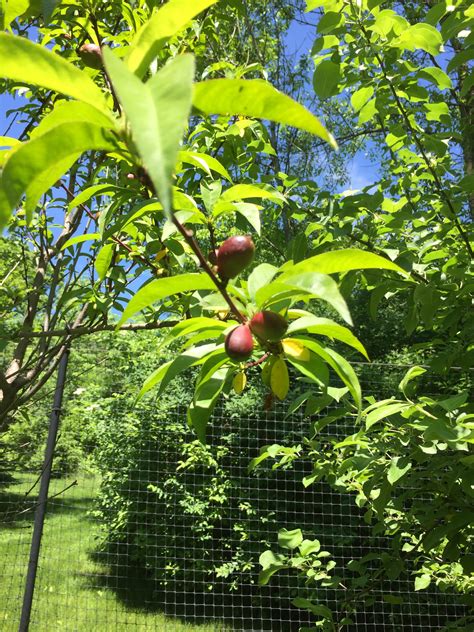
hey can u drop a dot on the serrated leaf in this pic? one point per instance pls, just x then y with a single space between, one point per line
166 22
163 288
279 379
158 113
31 64
257 99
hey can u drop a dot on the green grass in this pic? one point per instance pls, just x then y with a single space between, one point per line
73 592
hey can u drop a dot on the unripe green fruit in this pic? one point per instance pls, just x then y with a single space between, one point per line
239 343
91 55
235 254
268 326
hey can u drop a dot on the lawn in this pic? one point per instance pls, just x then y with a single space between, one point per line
73 592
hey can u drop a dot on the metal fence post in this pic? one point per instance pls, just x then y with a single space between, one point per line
43 494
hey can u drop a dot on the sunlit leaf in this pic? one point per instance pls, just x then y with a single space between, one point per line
32 64
163 288
327 327
157 112
279 378
35 161
258 99
166 22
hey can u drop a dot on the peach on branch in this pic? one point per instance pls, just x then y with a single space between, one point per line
268 326
239 343
234 255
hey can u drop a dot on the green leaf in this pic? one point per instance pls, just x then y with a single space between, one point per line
437 76
314 368
326 78
386 410
422 582
31 64
290 539
340 365
79 239
204 161
45 180
85 195
157 112
163 288
166 22
30 166
74 112
361 96
201 324
271 563
396 471
11 10
246 191
316 609
327 327
103 260
410 375
337 261
307 547
260 277
166 373
205 398
257 99
422 36
318 285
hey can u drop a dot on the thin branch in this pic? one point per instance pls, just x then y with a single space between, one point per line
74 332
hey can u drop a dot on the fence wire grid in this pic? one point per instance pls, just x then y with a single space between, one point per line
163 534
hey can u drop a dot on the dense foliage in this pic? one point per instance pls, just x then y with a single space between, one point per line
152 133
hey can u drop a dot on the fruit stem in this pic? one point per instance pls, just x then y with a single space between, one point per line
221 285
249 365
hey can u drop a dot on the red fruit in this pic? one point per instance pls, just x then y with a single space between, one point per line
235 254
239 343
268 326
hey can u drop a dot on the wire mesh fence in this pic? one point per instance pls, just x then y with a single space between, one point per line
161 533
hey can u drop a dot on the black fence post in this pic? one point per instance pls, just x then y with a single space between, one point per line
43 494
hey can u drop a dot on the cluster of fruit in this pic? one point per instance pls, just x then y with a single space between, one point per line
268 327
